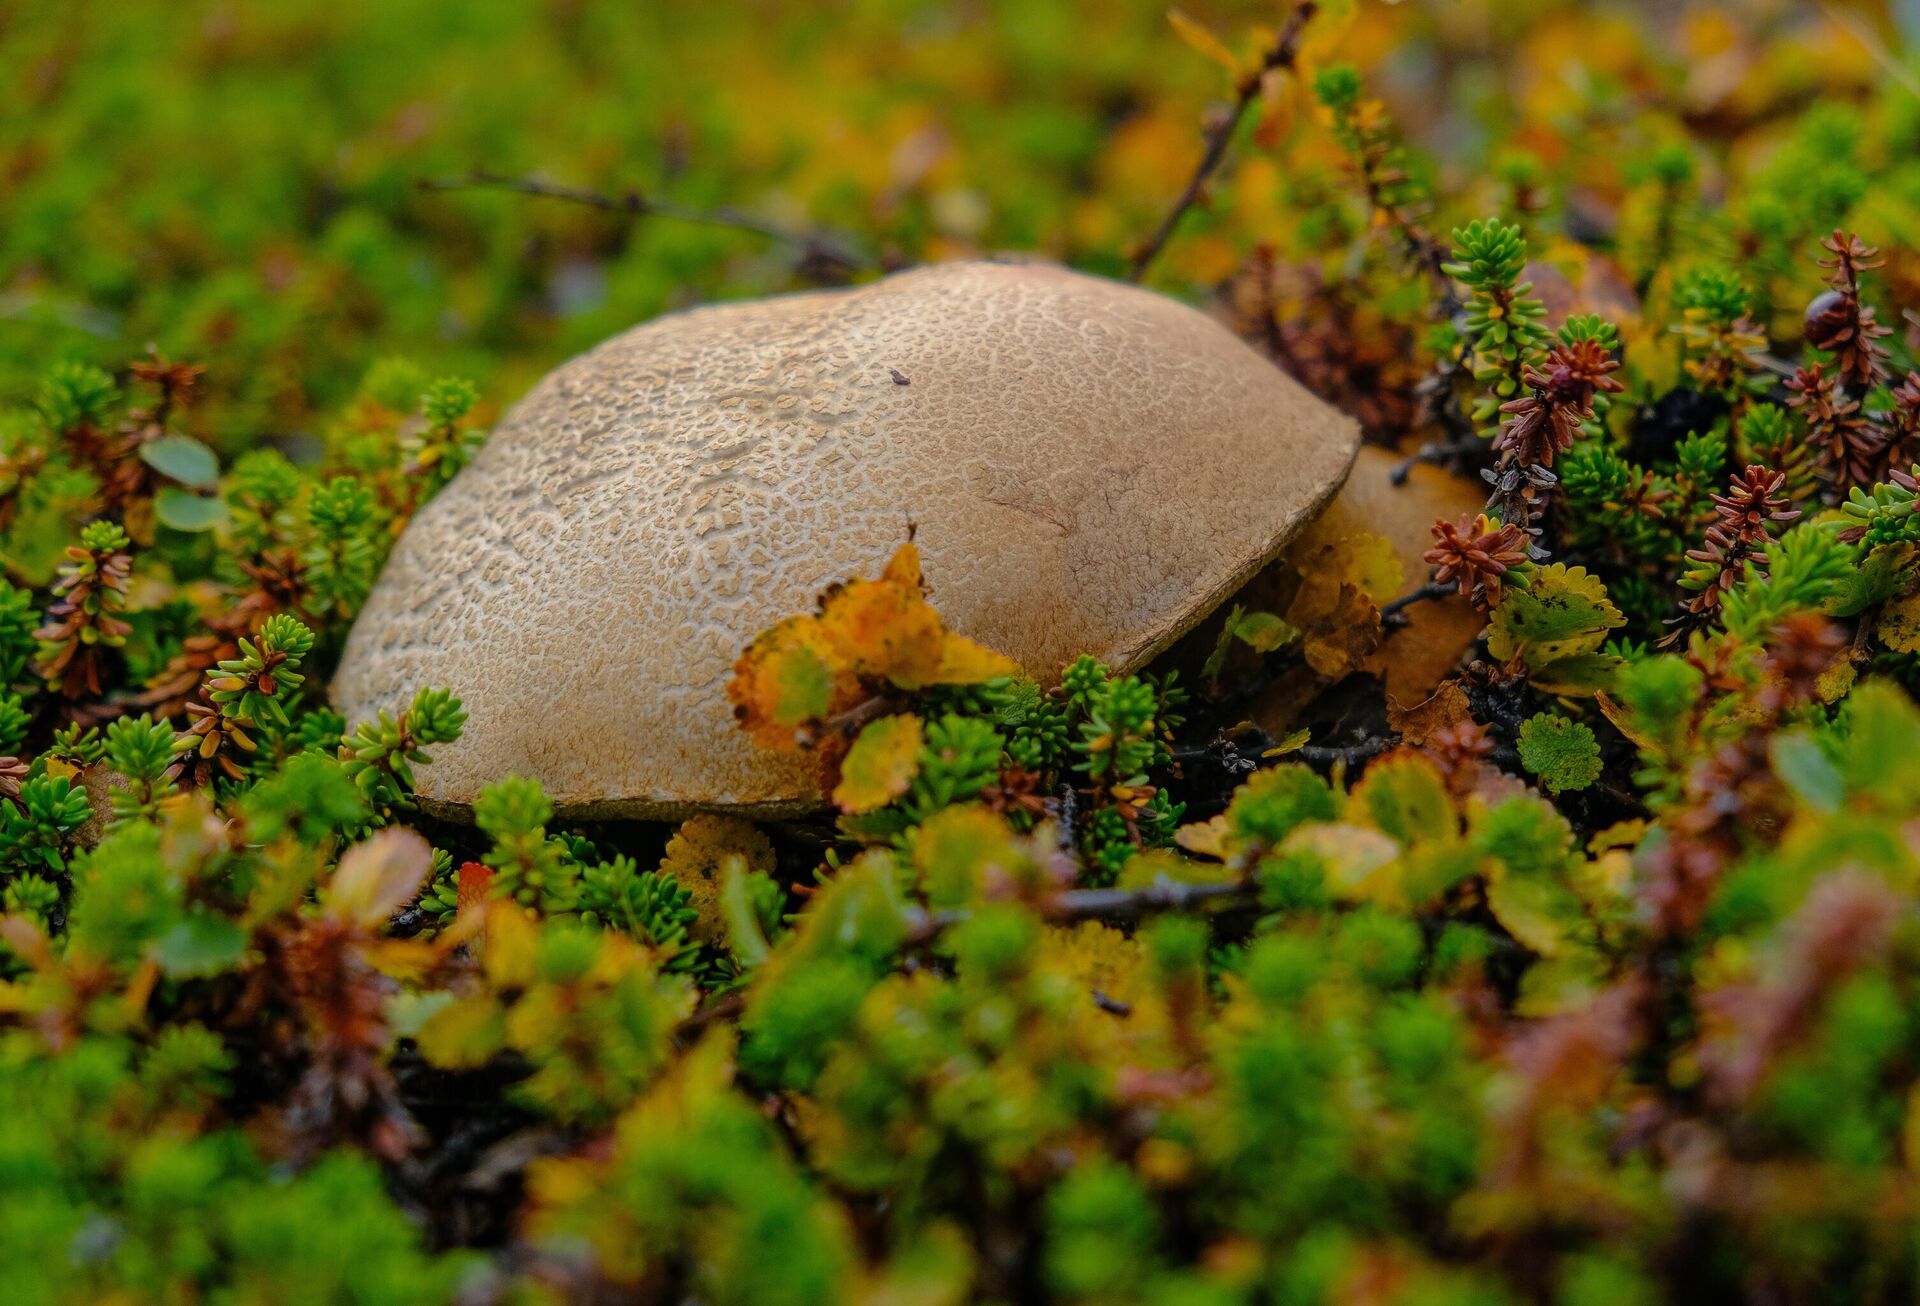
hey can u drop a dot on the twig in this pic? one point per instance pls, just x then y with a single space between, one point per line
1280 56
1222 753
1352 755
1098 905
1853 26
1390 614
1455 448
723 1008
823 250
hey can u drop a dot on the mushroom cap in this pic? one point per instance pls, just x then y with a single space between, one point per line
1090 467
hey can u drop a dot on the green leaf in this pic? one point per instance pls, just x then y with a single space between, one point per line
745 939
182 510
1563 753
199 946
1405 796
1556 626
1807 771
182 458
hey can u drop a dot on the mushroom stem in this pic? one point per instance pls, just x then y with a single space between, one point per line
1280 55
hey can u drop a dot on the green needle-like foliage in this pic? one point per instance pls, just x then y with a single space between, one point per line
1504 323
529 868
255 687
141 750
380 755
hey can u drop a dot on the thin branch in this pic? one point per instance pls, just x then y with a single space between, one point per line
1853 25
1353 755
825 251
1280 56
1099 905
1390 614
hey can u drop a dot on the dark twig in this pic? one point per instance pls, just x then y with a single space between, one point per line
1391 614
824 251
1352 755
1454 450
1099 905
1280 56
1222 753
715 1010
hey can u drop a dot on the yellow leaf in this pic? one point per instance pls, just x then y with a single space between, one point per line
406 960
464 1034
963 662
881 764
1537 910
903 568
1405 795
1205 838
61 769
810 668
1899 626
879 628
1555 626
694 858
954 849
1201 39
510 951
1370 563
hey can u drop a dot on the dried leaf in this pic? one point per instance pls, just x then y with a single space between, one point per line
1446 707
379 877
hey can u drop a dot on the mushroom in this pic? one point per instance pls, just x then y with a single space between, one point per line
1090 467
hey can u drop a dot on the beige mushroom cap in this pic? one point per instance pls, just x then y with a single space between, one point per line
1091 468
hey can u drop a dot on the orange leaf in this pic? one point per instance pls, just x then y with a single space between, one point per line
474 880
783 681
963 662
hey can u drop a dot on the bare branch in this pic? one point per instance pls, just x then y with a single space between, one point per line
831 257
1279 56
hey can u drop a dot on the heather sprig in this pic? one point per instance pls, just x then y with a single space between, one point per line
84 623
141 750
1504 323
379 755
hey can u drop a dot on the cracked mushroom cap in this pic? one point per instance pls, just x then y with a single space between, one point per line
1091 468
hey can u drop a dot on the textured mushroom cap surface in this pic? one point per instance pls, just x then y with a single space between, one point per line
1091 468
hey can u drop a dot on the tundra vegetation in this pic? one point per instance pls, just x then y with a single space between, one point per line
1582 973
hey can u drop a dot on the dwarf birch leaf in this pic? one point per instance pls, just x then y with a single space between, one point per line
881 764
